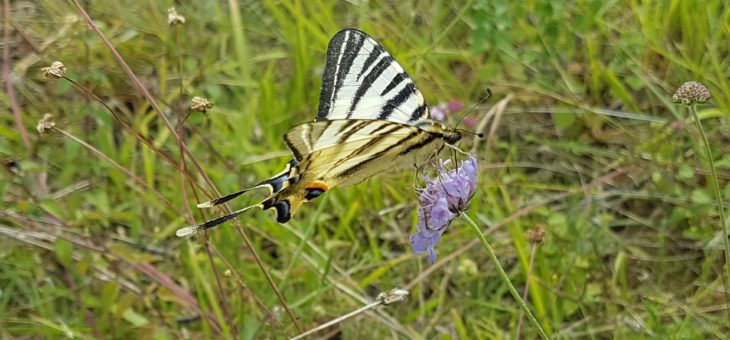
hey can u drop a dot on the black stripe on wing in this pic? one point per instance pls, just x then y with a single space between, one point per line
343 48
397 101
367 83
352 49
376 156
369 145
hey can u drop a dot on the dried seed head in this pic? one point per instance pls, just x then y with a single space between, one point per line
56 70
46 123
174 18
394 295
536 235
691 92
201 104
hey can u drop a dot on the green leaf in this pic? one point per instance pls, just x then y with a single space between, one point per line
134 318
563 119
64 250
685 172
701 196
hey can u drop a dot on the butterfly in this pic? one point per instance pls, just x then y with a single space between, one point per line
371 119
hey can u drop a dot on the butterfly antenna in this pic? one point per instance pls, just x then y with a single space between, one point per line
481 101
194 229
478 134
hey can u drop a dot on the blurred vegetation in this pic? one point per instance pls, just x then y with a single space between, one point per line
590 147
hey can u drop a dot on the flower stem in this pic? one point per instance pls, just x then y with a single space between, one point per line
715 187
504 276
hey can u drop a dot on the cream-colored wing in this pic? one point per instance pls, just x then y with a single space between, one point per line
345 152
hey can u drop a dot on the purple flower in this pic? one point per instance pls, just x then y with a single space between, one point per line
442 200
441 111
438 113
470 122
454 106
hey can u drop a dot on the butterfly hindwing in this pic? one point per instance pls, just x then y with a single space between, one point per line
307 138
362 81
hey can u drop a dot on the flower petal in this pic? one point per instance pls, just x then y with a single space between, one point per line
441 215
423 240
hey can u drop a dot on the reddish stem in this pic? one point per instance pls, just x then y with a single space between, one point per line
8 82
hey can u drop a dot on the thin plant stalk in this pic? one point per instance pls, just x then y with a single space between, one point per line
8 82
330 323
119 167
504 277
385 298
136 134
715 187
208 252
526 291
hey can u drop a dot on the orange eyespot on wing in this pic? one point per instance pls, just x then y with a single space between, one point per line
317 185
314 190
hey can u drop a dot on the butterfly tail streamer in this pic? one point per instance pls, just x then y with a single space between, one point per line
224 199
274 184
194 229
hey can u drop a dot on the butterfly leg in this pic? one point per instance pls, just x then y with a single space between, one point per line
415 176
456 148
453 157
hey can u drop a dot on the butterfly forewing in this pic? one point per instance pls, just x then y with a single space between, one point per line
363 81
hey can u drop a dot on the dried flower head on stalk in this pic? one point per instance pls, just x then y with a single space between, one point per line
56 70
536 235
201 104
692 92
441 201
174 18
45 124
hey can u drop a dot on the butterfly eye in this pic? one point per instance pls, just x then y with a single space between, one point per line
313 193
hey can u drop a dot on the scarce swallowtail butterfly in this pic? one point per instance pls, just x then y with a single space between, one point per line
371 119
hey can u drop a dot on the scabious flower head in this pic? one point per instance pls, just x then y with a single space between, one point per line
442 200
454 106
691 92
470 122
438 113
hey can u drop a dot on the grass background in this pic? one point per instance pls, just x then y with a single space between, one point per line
590 147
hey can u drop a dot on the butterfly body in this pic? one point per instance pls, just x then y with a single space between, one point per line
371 119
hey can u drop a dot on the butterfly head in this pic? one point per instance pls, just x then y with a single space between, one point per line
452 137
